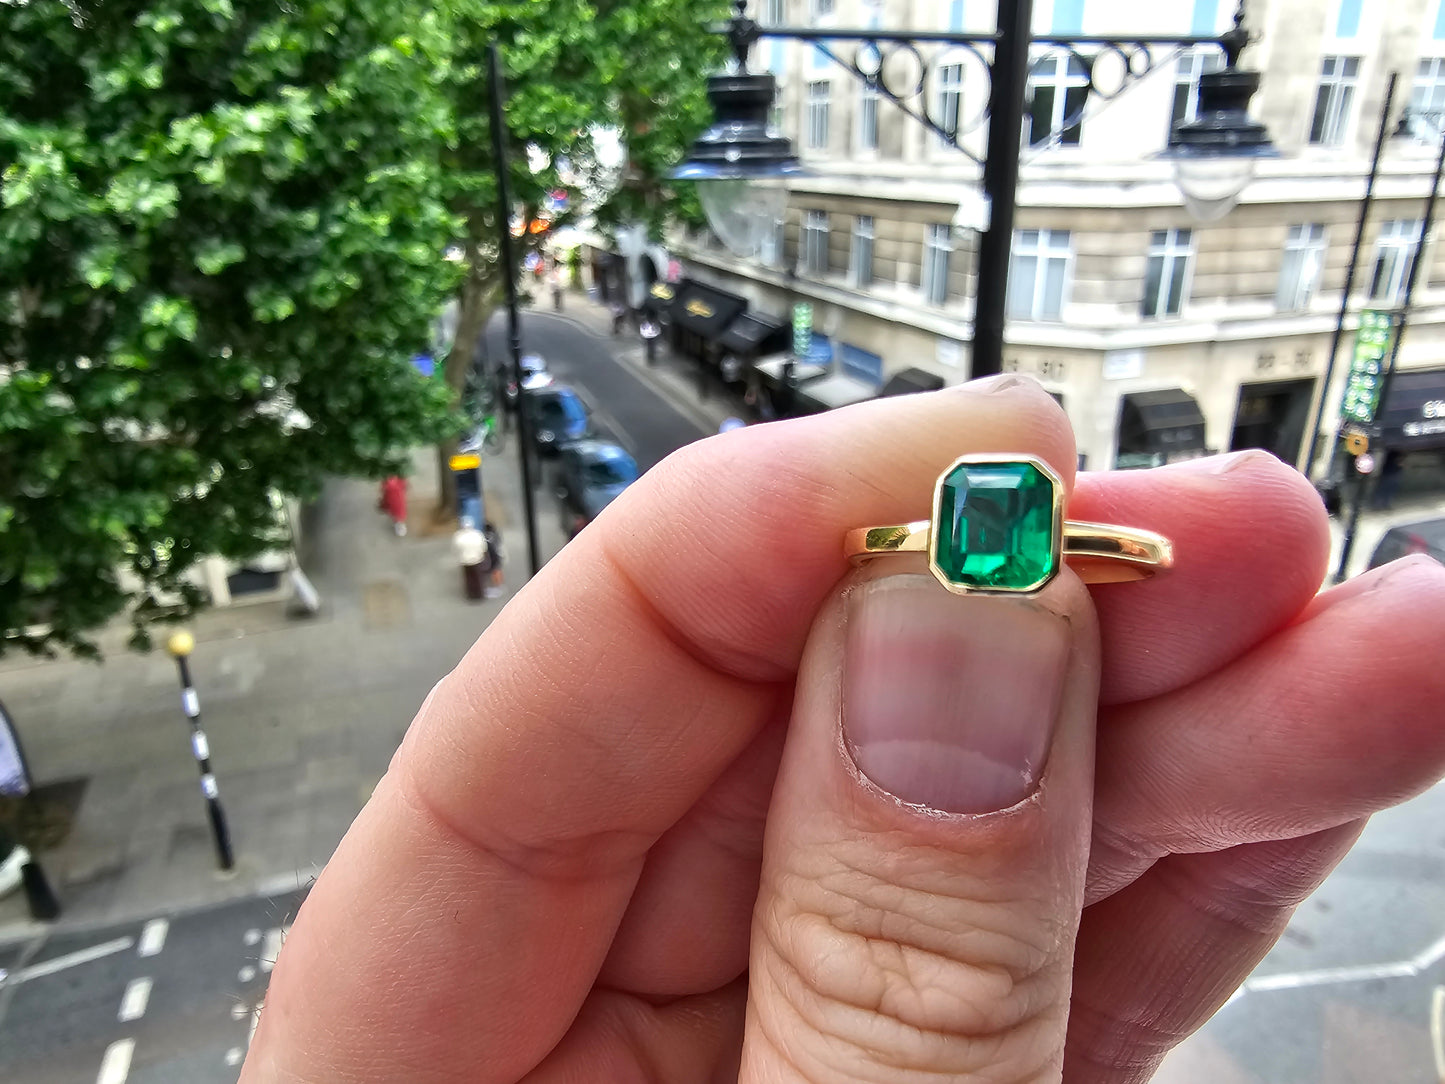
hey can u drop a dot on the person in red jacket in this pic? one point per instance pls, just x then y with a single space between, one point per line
393 502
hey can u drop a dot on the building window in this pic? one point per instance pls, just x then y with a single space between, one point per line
1168 273
823 9
950 99
860 262
770 251
1394 253
1058 90
775 111
1347 24
1427 99
775 12
1299 273
937 244
868 98
815 242
1038 274
1338 76
955 14
818 95
1192 65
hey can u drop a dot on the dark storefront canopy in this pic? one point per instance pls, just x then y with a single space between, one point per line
705 310
1165 422
659 299
1414 412
910 380
754 334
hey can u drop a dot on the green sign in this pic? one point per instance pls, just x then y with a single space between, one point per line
1367 366
802 329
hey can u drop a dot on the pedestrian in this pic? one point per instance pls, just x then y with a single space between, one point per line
557 283
650 331
619 317
470 546
393 503
1389 483
493 565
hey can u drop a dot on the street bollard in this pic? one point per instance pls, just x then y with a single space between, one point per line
180 646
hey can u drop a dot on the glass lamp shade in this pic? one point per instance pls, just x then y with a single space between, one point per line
1211 186
743 211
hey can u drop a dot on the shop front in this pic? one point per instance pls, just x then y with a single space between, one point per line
1273 415
1158 427
1412 435
700 315
751 335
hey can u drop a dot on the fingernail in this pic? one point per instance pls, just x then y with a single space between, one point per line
950 701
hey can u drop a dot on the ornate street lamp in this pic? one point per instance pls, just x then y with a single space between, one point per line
742 163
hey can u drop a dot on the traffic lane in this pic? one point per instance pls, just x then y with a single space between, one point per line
627 406
180 995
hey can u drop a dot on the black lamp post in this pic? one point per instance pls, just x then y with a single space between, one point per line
742 162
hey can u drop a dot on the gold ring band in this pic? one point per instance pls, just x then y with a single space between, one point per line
998 527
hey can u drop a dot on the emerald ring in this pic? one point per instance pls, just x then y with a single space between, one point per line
998 527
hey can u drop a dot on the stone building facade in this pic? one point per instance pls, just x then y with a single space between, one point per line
1126 308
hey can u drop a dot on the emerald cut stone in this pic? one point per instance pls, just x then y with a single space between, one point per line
994 529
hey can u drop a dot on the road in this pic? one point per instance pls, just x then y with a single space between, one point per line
626 407
169 1000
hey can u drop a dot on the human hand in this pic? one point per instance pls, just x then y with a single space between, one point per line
626 840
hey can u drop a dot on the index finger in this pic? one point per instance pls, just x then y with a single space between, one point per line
464 917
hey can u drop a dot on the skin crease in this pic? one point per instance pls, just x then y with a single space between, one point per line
628 799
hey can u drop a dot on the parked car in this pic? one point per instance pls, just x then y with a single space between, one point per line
534 376
1425 536
591 474
555 416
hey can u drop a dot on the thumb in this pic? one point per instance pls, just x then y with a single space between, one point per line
924 861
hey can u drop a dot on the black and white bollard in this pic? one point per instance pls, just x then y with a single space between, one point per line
180 646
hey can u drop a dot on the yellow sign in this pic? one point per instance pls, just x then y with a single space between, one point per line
1357 443
662 290
464 462
699 308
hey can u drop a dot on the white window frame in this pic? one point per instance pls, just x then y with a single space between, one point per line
937 250
1062 72
774 13
1427 100
860 269
1301 267
870 101
1193 64
822 9
1395 250
1335 99
819 106
1174 249
1045 248
773 243
950 81
815 242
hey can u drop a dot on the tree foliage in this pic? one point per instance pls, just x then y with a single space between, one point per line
221 235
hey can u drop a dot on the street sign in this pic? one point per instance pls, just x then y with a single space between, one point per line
1365 464
464 462
1356 442
1367 366
802 329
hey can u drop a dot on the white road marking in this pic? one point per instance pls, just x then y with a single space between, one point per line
271 948
133 1004
153 936
1330 976
73 959
234 1056
1432 955
246 974
115 1065
252 937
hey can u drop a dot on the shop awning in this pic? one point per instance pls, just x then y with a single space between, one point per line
771 370
705 310
753 333
1164 422
910 380
834 390
1414 412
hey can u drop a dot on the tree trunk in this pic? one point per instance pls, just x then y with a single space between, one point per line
477 303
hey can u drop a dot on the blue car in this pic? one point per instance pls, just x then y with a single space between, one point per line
555 416
591 474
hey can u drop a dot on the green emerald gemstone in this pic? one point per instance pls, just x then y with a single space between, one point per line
995 527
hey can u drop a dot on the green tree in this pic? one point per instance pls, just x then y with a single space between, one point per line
570 66
221 227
